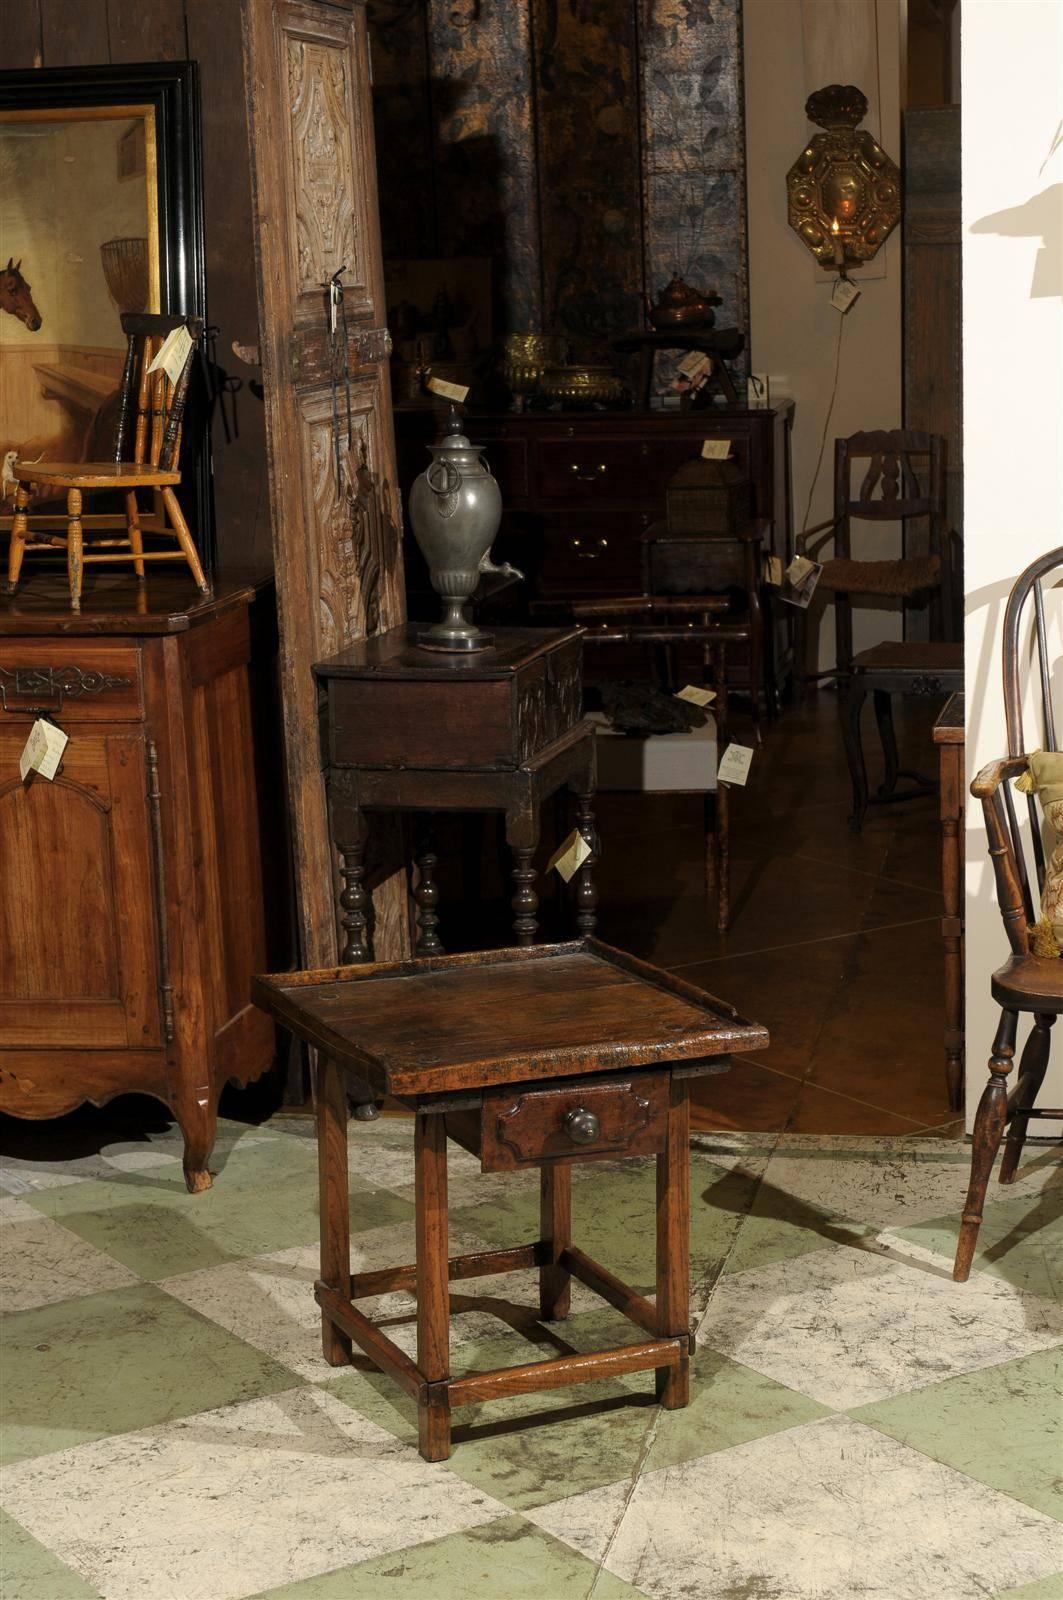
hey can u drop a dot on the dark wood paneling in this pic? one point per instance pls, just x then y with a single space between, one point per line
148 30
22 35
74 36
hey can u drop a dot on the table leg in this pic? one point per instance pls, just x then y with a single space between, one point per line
426 893
334 1202
673 1244
350 834
522 837
555 1229
586 893
952 921
884 717
852 702
433 1291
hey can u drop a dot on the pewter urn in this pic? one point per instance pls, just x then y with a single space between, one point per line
455 509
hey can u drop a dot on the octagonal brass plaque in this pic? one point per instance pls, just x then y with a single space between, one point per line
843 190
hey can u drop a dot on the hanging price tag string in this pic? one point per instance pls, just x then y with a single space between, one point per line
339 365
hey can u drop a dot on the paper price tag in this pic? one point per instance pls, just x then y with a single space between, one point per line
173 353
716 449
569 856
758 392
773 571
693 363
696 696
43 750
844 295
735 764
802 576
448 391
799 569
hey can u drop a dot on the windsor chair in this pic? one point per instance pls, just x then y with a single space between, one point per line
159 407
1027 982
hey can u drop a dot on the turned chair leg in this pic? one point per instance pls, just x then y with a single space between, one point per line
989 1124
555 1229
586 893
136 538
74 562
19 524
1032 1068
852 702
426 893
184 538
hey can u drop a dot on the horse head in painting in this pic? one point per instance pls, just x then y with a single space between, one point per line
15 296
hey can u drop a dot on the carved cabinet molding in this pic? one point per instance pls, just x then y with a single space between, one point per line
333 496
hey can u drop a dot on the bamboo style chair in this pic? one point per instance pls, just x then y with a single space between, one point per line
1027 983
159 407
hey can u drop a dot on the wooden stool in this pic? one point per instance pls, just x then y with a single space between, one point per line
529 1058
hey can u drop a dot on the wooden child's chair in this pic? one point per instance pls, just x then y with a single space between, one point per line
156 446
1028 982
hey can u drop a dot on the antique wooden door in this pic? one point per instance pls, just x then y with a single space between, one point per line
335 511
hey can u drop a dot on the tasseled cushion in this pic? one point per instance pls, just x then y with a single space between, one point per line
896 578
1044 778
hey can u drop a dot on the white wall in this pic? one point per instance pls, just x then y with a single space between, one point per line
1012 99
791 48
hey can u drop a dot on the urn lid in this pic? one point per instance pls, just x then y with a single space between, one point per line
454 444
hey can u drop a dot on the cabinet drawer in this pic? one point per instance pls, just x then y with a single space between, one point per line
622 1116
72 681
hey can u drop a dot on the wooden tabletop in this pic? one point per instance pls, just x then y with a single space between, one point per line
396 654
116 603
948 729
466 1022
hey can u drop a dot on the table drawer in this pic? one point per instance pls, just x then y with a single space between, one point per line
620 1117
73 681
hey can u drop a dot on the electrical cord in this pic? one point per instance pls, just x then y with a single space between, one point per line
826 424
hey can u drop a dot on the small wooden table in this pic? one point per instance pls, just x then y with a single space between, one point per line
949 738
529 1058
409 729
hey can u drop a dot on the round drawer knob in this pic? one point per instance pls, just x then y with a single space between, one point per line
582 1127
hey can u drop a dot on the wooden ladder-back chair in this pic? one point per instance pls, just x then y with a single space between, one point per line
1028 982
150 420
903 481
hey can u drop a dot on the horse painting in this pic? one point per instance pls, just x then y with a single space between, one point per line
15 296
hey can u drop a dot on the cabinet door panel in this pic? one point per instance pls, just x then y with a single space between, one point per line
78 963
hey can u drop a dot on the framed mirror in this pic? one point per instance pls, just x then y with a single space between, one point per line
100 212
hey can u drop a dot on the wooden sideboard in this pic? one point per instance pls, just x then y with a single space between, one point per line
580 489
131 886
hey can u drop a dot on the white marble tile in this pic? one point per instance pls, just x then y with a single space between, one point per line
42 1262
880 1181
269 1300
235 1501
12 1209
826 1511
848 1326
22 1175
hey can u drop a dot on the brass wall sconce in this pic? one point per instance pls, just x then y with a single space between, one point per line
843 191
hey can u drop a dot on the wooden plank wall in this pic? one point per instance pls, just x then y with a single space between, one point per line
60 33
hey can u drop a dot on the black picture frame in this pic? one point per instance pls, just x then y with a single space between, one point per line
172 89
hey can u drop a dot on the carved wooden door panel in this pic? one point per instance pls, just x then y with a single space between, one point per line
78 954
336 516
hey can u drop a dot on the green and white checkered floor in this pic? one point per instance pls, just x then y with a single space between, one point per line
860 1425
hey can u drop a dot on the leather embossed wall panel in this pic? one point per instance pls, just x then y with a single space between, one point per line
589 147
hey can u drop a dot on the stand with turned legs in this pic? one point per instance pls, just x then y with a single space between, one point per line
415 730
528 1058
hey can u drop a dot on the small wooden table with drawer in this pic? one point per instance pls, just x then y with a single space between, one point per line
528 1058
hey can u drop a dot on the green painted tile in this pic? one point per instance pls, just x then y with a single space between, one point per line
781 1227
1050 1588
614 1217
530 1449
265 1200
1001 1425
1020 1240
509 1558
110 1363
30 1572
729 1405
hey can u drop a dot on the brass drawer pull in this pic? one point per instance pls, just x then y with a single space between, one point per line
585 554
583 1127
583 476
